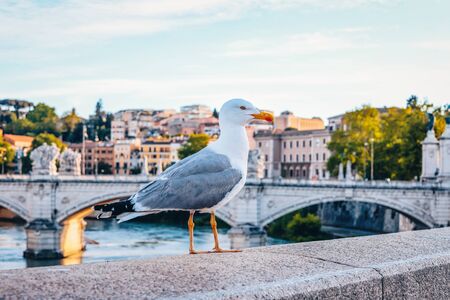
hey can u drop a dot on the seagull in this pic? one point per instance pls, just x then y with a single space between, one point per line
202 182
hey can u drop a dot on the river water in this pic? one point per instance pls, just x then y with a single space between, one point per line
111 241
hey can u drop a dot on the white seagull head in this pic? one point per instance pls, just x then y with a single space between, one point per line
241 112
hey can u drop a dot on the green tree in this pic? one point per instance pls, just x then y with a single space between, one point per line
49 139
71 125
215 113
99 124
397 134
304 226
7 154
360 127
20 126
195 143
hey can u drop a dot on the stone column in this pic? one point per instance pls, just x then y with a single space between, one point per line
43 240
430 156
247 236
341 172
348 171
444 151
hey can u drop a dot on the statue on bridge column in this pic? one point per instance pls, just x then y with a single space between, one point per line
70 163
44 160
255 164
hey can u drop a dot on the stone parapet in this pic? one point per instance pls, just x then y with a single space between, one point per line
410 265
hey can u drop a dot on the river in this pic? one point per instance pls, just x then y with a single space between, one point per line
112 241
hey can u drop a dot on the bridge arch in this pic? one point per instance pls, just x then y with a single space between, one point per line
415 213
16 209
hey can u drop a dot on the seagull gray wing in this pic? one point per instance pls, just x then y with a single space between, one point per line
197 182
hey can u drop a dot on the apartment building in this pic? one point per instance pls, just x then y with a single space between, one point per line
159 154
127 157
295 154
98 157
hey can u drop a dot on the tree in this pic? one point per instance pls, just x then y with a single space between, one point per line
195 143
7 154
215 113
397 134
20 126
99 124
49 139
71 125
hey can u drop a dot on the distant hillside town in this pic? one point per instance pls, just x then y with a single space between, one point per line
367 141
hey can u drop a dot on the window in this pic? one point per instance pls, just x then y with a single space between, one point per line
324 173
297 159
284 145
317 172
291 173
310 143
266 173
303 157
317 156
290 157
304 144
297 173
284 157
298 144
290 144
267 157
310 158
260 144
324 141
304 173
324 157
125 166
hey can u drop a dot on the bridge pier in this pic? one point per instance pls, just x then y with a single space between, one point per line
48 240
43 240
247 236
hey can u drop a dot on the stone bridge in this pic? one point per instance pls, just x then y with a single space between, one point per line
54 206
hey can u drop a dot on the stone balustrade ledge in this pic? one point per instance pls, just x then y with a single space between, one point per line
408 265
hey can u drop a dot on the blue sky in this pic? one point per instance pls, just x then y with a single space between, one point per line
313 57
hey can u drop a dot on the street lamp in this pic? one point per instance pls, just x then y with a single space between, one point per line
365 159
372 155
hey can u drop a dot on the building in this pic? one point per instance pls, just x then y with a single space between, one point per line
131 123
126 157
288 120
335 122
196 111
295 154
21 145
98 157
159 154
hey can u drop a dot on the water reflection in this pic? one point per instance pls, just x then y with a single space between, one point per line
109 241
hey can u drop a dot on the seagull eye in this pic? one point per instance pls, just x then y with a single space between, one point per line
243 108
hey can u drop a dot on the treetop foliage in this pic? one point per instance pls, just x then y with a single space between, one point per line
195 143
396 133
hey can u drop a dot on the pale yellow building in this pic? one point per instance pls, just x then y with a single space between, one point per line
288 120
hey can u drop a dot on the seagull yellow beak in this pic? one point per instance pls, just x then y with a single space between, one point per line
264 115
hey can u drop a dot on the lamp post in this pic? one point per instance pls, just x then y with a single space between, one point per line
365 159
372 155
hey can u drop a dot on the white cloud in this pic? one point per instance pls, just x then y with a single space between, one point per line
434 45
69 21
300 44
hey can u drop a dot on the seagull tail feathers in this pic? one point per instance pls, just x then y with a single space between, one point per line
113 210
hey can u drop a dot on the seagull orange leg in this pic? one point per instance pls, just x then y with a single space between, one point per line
217 248
191 226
